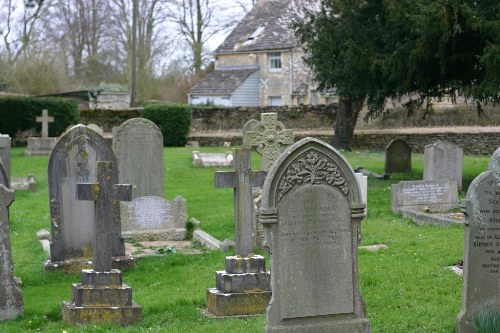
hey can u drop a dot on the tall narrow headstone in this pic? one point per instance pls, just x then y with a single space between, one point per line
101 297
5 144
138 145
11 297
397 156
443 160
311 212
73 160
244 287
269 137
481 275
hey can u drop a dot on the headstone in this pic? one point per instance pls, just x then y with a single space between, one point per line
481 273
23 183
443 160
311 212
4 180
428 195
138 145
152 218
101 297
11 297
73 161
212 160
397 156
269 137
363 187
5 144
244 287
96 128
44 144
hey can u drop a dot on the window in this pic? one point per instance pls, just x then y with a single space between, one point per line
274 61
275 101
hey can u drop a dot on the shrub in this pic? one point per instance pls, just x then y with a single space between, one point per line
19 114
173 120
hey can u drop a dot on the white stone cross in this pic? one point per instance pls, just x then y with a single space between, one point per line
45 120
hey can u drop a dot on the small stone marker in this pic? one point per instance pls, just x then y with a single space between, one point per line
397 156
5 144
11 297
481 274
424 195
443 160
244 287
138 145
311 212
101 297
152 218
212 160
268 137
73 161
45 120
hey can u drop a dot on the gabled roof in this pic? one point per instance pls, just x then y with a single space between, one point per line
267 27
222 81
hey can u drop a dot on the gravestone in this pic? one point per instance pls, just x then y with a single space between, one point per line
363 187
73 160
269 138
481 274
101 297
397 156
96 128
212 160
138 145
44 144
4 180
152 218
11 297
311 213
432 195
443 160
5 144
244 287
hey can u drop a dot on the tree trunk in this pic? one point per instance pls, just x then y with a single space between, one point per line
347 116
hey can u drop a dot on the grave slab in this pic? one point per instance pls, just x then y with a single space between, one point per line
212 160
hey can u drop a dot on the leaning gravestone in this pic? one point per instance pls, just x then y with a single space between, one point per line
73 160
101 297
481 274
11 297
443 160
138 145
397 156
311 212
44 144
5 143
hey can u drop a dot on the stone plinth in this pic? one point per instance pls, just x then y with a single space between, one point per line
40 146
243 289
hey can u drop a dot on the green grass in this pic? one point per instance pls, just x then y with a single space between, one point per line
406 287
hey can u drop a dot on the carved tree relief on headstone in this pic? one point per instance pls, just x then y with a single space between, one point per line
397 156
269 137
311 213
481 274
443 160
11 297
138 145
73 160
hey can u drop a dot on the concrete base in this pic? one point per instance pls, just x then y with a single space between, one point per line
357 325
176 234
237 304
40 146
78 264
124 315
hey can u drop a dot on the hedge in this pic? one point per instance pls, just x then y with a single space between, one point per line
18 114
174 121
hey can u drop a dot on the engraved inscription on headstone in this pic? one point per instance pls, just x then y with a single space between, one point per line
397 156
311 212
443 160
434 195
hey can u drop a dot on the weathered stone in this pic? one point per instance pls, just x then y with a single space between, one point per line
43 234
397 156
45 120
443 160
363 187
227 244
432 195
73 160
206 239
311 213
236 304
480 292
11 297
23 183
268 137
4 180
96 128
44 144
153 218
212 160
5 144
138 145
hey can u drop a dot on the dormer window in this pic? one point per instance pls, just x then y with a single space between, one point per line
256 33
274 61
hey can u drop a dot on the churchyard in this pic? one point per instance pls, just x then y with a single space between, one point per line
407 287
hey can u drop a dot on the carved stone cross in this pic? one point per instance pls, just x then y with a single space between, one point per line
242 179
268 137
45 120
103 192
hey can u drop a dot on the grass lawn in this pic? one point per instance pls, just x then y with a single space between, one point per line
406 287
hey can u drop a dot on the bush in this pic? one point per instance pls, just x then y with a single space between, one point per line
173 120
18 114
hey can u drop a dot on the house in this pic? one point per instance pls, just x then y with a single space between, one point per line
261 62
